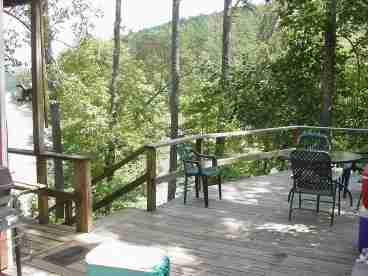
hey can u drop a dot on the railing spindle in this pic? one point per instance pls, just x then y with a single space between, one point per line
151 176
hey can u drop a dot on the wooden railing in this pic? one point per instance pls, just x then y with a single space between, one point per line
198 140
81 196
82 180
150 152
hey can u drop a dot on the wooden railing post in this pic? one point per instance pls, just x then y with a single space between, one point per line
43 199
199 145
296 134
38 114
151 175
82 186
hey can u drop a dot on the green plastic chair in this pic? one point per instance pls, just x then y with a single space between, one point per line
193 167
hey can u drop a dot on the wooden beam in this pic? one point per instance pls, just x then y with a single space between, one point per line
120 192
60 195
221 135
230 160
38 106
167 177
252 156
82 186
37 78
111 170
243 133
49 154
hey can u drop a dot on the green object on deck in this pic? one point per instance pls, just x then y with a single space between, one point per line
121 259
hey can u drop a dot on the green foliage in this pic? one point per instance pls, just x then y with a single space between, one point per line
84 99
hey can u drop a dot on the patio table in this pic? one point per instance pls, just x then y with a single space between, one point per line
337 157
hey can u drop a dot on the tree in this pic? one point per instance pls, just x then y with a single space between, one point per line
114 96
225 67
77 15
85 101
174 91
328 78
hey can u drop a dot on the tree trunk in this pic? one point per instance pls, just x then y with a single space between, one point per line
174 93
226 44
328 78
58 147
54 109
114 97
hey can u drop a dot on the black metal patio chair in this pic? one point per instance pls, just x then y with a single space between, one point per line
314 141
193 163
320 142
312 174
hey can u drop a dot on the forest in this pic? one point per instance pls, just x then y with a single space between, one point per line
275 64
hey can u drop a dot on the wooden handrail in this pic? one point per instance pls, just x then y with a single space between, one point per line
49 154
120 192
357 130
250 132
220 135
108 172
228 161
63 196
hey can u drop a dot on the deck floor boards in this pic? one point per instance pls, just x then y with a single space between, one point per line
246 233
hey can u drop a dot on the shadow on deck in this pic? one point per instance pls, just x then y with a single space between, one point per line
246 233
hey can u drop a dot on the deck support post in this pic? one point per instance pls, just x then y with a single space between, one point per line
38 105
82 186
151 176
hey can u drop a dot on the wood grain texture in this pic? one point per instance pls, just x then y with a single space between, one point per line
82 187
246 233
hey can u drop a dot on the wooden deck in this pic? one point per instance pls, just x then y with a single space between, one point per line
246 233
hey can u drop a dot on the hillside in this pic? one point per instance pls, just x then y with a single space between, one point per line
200 37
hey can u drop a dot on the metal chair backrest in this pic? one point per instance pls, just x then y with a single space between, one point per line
314 141
312 171
185 152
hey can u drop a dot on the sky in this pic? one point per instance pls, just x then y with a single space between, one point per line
136 15
139 14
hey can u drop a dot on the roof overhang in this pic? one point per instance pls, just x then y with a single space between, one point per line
12 3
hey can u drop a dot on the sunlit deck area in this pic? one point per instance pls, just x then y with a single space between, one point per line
246 233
